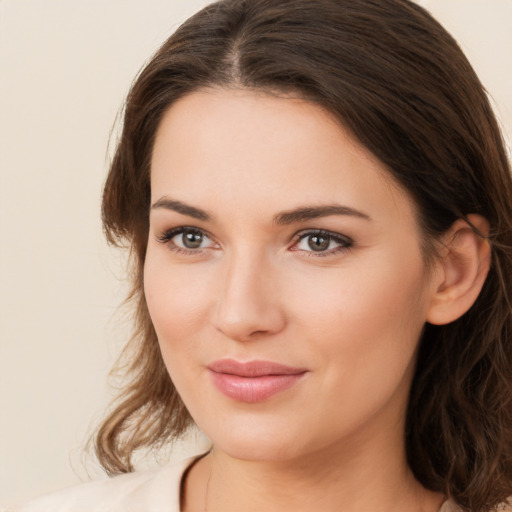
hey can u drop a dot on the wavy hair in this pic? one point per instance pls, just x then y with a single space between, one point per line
401 85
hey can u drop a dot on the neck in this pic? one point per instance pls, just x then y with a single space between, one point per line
334 478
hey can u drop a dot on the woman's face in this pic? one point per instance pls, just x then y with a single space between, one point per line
284 276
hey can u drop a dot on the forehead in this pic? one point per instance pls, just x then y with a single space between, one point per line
249 149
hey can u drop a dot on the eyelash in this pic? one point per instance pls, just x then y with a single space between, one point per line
345 243
167 236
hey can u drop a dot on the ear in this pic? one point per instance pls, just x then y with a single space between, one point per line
462 269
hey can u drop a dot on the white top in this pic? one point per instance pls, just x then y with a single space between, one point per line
156 490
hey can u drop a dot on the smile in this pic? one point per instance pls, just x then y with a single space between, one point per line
253 381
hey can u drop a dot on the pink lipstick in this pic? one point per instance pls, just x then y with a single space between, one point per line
253 381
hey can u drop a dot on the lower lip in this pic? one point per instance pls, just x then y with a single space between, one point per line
253 389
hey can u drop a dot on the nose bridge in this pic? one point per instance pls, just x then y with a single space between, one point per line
248 304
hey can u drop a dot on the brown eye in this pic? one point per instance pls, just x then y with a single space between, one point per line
185 238
191 239
318 242
322 243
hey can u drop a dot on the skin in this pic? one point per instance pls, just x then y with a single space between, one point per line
351 314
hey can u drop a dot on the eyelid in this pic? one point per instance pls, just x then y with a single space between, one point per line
167 235
318 231
344 241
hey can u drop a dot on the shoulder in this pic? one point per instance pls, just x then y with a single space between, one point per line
506 506
449 506
155 490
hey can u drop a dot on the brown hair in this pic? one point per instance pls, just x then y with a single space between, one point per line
399 82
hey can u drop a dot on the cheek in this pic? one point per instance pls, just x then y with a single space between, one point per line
373 309
177 300
365 292
362 328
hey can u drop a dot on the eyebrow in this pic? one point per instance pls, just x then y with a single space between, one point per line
300 214
183 208
304 213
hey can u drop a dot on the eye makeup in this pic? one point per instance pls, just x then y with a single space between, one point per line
189 240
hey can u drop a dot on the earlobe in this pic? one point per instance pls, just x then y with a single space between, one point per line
462 269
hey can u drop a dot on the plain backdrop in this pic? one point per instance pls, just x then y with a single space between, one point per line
65 68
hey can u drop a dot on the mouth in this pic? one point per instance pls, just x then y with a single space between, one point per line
253 381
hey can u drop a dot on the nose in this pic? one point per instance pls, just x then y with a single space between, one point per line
248 305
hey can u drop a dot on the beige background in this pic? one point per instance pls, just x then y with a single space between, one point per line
65 67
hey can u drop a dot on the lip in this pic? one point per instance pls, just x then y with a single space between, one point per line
253 381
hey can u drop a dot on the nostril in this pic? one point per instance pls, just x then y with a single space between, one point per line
240 331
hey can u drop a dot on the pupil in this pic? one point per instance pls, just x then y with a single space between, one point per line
192 240
318 243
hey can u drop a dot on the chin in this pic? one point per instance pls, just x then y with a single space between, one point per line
258 449
256 438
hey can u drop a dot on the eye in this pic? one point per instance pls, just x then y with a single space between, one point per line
186 239
189 239
323 243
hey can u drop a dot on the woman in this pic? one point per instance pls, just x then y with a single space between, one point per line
319 206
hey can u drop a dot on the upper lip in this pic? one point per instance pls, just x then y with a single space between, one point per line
253 368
